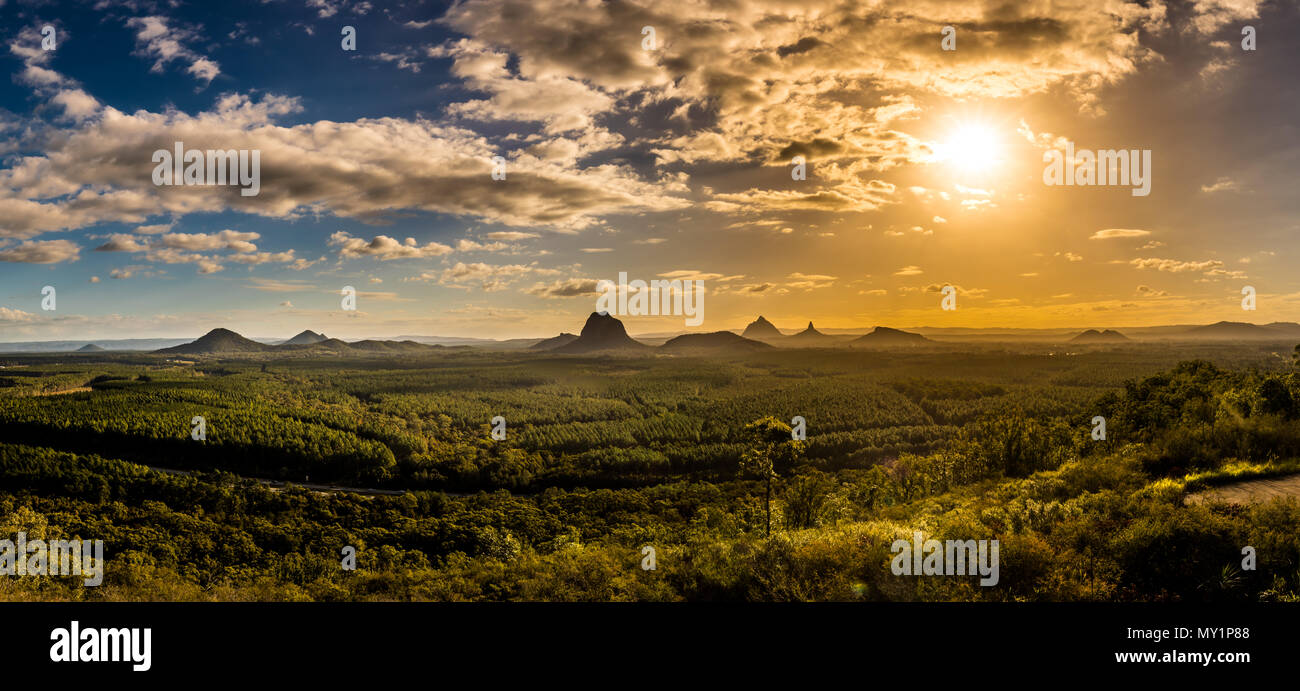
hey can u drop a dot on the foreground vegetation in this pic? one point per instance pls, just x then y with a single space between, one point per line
605 456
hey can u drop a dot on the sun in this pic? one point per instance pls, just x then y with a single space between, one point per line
972 148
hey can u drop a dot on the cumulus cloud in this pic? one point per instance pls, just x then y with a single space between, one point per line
478 275
8 314
1177 266
41 252
385 248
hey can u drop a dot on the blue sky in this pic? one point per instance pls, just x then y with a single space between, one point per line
924 164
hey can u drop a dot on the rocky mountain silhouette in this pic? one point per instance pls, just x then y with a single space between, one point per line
717 341
1095 336
760 329
885 337
601 332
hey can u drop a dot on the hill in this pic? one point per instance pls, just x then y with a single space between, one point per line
90 348
306 338
716 341
885 337
1242 331
760 329
1095 336
810 337
554 342
217 342
601 332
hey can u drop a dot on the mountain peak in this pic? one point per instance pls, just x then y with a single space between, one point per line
601 332
218 341
811 334
761 328
1095 336
307 337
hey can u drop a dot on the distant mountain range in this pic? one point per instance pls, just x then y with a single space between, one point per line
1242 331
227 342
606 334
610 337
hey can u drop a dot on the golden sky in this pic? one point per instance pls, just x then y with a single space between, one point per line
924 167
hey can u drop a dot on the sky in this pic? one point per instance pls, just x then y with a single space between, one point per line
654 138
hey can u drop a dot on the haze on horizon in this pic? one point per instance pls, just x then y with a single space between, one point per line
924 166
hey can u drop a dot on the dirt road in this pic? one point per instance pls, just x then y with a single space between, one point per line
1248 491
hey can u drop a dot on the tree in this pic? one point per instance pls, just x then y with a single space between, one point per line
772 447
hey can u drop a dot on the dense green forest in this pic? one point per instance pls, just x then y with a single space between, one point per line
604 456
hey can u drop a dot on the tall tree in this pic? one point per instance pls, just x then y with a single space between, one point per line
772 448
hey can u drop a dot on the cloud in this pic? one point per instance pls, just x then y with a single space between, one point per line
99 171
255 258
385 248
197 242
1112 233
485 276
800 281
41 252
566 288
76 104
165 44
190 242
693 275
279 286
963 292
467 245
562 102
1176 266
1220 185
849 196
123 243
772 75
511 235
8 314
908 271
